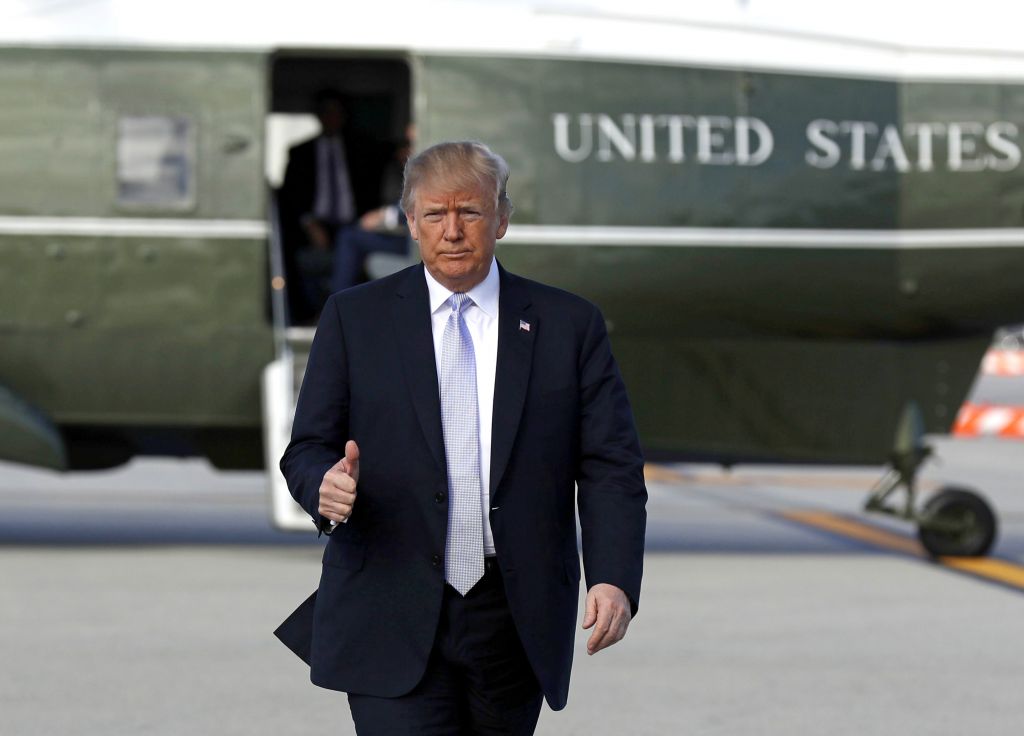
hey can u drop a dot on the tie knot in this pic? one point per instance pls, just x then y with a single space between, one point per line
459 300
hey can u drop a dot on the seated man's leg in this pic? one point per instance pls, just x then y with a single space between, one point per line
351 248
348 260
385 243
314 270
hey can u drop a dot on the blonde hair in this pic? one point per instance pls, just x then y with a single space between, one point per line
457 165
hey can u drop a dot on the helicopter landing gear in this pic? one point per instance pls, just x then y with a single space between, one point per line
955 521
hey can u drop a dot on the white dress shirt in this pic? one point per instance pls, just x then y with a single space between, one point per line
482 320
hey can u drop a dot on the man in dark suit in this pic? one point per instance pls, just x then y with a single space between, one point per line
330 181
446 414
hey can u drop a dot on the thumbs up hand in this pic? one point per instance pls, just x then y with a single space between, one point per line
350 463
338 488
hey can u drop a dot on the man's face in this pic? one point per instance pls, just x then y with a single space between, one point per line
457 231
332 117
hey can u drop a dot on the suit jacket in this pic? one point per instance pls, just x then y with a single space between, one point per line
364 159
563 436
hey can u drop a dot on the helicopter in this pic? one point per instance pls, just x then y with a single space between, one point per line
802 241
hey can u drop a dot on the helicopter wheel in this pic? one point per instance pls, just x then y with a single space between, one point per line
956 522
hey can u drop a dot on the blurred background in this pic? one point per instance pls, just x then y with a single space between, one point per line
804 224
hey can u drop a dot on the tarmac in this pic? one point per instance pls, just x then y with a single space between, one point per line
142 601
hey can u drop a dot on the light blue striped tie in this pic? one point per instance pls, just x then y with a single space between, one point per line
460 420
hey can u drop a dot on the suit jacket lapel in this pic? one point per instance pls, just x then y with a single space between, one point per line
517 329
411 314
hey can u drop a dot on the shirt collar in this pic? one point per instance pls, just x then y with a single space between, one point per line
484 294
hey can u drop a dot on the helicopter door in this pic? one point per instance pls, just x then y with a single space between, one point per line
375 96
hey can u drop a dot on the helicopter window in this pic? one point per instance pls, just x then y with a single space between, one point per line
156 162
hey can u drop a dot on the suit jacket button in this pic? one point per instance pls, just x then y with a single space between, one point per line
439 497
437 560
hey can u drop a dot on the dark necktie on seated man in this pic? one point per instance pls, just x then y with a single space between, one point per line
333 210
335 203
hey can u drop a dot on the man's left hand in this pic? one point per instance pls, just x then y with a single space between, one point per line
373 220
608 607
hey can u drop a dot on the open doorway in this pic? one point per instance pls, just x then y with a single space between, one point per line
338 132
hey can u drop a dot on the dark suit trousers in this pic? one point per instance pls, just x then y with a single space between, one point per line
351 247
478 680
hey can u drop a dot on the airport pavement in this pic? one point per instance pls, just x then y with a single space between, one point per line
142 600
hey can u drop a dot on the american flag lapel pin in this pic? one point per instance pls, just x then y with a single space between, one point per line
524 325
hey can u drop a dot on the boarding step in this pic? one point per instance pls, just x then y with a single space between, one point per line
281 381
299 339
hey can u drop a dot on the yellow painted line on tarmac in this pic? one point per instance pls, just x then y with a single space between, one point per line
856 530
851 480
991 569
999 571
1003 572
661 474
